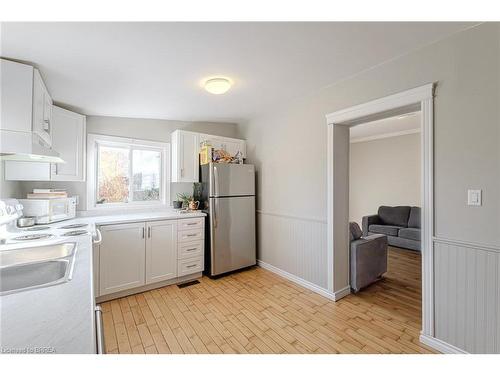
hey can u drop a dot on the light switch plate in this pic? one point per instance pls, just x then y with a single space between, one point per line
474 197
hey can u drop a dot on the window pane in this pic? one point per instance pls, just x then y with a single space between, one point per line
146 172
113 171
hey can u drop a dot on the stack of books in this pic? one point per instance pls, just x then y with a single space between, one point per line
47 194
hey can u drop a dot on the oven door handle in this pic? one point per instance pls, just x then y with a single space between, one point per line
99 237
99 330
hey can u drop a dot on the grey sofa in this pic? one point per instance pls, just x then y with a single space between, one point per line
368 257
401 225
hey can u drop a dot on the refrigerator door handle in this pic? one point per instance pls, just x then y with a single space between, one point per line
215 212
216 181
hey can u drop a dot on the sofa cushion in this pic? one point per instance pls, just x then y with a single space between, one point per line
354 231
414 220
410 233
389 230
397 216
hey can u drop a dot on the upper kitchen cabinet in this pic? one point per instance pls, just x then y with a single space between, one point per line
42 109
231 145
186 148
68 138
26 115
185 161
16 96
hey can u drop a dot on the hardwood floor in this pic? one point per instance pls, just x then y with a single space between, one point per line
256 311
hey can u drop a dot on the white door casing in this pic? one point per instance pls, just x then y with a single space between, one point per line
420 98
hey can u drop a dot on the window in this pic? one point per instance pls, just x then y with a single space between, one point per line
126 172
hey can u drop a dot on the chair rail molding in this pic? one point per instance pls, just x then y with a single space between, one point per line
419 98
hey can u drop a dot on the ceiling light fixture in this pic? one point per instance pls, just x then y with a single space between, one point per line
218 86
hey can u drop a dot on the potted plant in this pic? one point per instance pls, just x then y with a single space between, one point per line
188 201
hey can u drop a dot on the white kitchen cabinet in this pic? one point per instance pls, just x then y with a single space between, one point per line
140 254
42 109
186 148
161 251
17 96
68 139
231 145
122 257
185 160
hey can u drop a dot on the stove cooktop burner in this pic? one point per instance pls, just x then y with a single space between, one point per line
31 237
33 229
73 226
75 233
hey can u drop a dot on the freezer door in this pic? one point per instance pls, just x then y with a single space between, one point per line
232 225
231 180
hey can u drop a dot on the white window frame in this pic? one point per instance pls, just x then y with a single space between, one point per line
94 140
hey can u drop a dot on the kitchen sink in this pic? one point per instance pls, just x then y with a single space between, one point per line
31 275
36 254
36 267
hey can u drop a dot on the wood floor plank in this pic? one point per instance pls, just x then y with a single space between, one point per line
256 311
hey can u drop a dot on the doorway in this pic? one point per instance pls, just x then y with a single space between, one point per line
339 124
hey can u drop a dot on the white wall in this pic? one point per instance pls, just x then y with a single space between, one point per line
154 130
384 172
289 148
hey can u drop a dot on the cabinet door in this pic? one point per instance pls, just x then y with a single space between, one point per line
68 139
17 96
42 104
185 162
121 257
161 251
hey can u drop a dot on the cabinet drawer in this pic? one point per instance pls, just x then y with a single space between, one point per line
190 249
190 235
189 266
194 223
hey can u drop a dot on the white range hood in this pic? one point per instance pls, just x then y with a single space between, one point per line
25 146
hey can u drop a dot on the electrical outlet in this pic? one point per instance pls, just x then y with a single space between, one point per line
474 197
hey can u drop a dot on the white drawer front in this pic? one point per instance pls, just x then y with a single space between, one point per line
189 266
190 235
194 223
190 249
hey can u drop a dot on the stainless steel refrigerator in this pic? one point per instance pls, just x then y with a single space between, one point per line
229 195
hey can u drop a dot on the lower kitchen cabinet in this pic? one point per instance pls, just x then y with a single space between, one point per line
122 257
140 254
161 251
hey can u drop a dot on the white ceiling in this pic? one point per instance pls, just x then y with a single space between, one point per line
391 126
154 70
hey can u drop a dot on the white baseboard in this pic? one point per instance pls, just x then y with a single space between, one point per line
339 294
306 284
441 346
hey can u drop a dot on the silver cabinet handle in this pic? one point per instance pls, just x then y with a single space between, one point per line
191 266
149 232
191 223
192 249
99 330
191 235
142 232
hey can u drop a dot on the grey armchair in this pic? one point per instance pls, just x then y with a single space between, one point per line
368 257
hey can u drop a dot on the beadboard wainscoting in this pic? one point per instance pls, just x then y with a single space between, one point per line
467 295
294 245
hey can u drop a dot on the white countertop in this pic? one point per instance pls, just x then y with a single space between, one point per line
55 319
132 216
60 318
